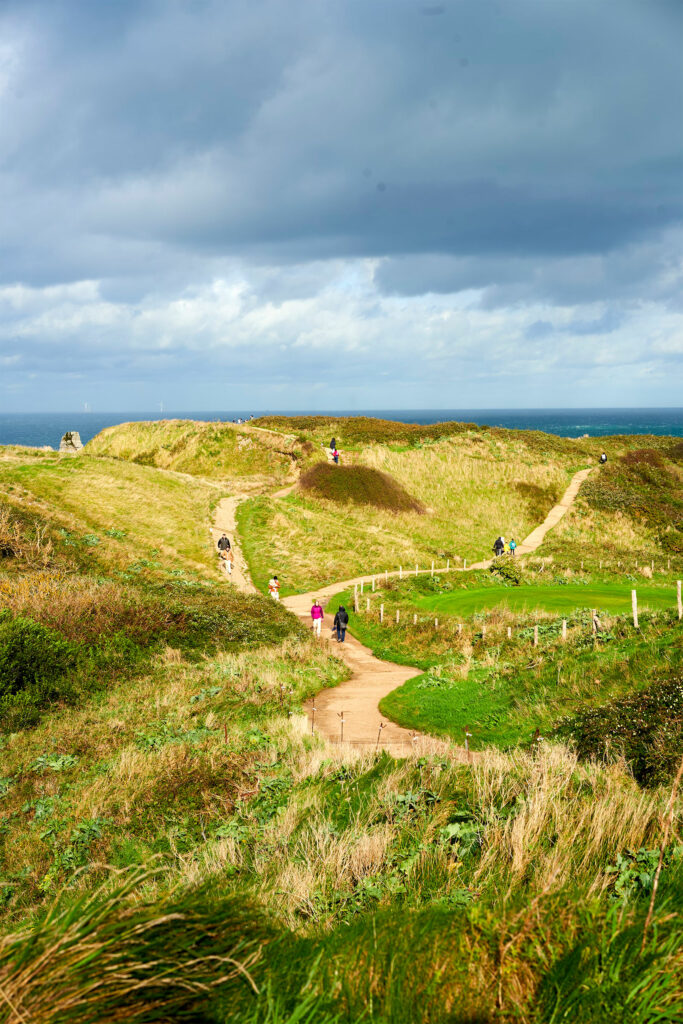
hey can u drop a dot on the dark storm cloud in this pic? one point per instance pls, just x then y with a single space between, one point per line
307 130
191 186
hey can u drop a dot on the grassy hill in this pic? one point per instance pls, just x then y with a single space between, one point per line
470 487
216 451
176 844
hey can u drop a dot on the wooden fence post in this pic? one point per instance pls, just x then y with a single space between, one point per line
509 632
416 570
564 629
436 623
465 563
415 620
448 565
398 615
460 627
678 599
381 613
432 568
361 586
634 606
536 636
400 572
367 604
594 620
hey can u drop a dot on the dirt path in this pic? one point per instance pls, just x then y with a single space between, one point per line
225 522
372 679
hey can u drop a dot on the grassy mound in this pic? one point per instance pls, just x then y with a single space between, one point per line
217 451
360 485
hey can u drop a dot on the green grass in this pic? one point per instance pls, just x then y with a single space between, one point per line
503 696
605 597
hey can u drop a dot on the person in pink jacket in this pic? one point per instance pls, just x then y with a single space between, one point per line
317 616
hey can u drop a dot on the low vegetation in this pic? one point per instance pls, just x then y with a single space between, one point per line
177 844
357 485
213 450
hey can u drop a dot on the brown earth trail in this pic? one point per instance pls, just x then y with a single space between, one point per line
372 679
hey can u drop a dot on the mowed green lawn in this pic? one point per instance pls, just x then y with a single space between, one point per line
607 597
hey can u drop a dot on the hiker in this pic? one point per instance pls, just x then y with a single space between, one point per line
274 588
513 545
341 621
333 444
506 548
317 616
335 456
603 459
228 560
498 547
223 543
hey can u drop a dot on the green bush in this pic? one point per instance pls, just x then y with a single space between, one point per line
646 728
507 568
32 657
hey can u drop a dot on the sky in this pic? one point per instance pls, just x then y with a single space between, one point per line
340 204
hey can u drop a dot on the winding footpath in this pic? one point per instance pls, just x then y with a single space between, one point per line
371 679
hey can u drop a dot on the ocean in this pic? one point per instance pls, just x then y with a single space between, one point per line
47 428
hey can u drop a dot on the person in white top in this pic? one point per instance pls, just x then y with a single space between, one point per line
274 588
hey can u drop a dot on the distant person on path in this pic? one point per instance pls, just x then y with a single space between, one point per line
513 545
603 459
498 547
333 444
341 621
274 588
335 456
223 543
228 560
317 616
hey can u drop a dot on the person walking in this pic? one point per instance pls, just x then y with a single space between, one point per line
341 622
317 617
513 546
223 543
333 444
498 547
228 560
335 456
274 588
603 459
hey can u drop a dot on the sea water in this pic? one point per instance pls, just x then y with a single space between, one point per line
47 428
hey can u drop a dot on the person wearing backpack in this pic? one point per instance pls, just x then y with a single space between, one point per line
513 545
341 622
223 543
274 588
498 547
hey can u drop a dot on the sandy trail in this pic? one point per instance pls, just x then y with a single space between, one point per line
225 522
372 679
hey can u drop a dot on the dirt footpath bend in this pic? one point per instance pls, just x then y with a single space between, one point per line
225 522
359 696
372 679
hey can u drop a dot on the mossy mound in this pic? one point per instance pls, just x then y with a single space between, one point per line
359 485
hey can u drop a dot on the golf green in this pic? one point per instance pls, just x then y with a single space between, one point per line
605 597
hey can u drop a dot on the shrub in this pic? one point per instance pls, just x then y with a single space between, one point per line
360 485
32 657
508 568
646 728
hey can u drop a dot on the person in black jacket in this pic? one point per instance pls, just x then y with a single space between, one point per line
603 459
341 621
498 547
333 444
223 543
